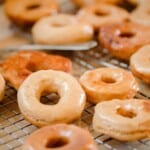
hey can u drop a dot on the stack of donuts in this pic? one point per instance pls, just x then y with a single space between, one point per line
126 35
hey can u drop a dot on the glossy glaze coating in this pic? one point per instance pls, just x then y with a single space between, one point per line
60 137
126 120
2 87
101 14
62 29
124 39
104 84
140 64
69 107
18 66
28 12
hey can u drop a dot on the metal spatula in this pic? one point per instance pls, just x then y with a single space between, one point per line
74 47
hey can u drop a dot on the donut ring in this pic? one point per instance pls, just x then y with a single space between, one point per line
140 64
18 66
28 12
108 83
61 29
124 39
126 120
141 15
71 103
100 14
2 87
60 137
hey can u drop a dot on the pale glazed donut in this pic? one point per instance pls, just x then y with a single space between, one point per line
141 14
27 12
70 105
108 83
17 67
140 64
2 87
126 120
61 29
124 39
60 137
100 14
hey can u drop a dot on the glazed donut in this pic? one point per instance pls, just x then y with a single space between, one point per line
2 87
82 3
29 11
60 137
18 66
124 39
141 15
61 29
140 64
108 83
126 120
71 103
100 14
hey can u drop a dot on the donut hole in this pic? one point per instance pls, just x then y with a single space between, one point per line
49 98
33 6
101 13
108 80
126 112
126 35
57 142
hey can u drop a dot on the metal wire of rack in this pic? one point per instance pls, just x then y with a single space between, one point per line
14 129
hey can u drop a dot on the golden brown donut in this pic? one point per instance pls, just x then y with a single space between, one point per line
69 107
62 29
100 14
141 14
60 137
124 39
126 120
27 12
108 83
18 66
2 87
140 64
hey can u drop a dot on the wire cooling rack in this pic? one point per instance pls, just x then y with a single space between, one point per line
14 129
